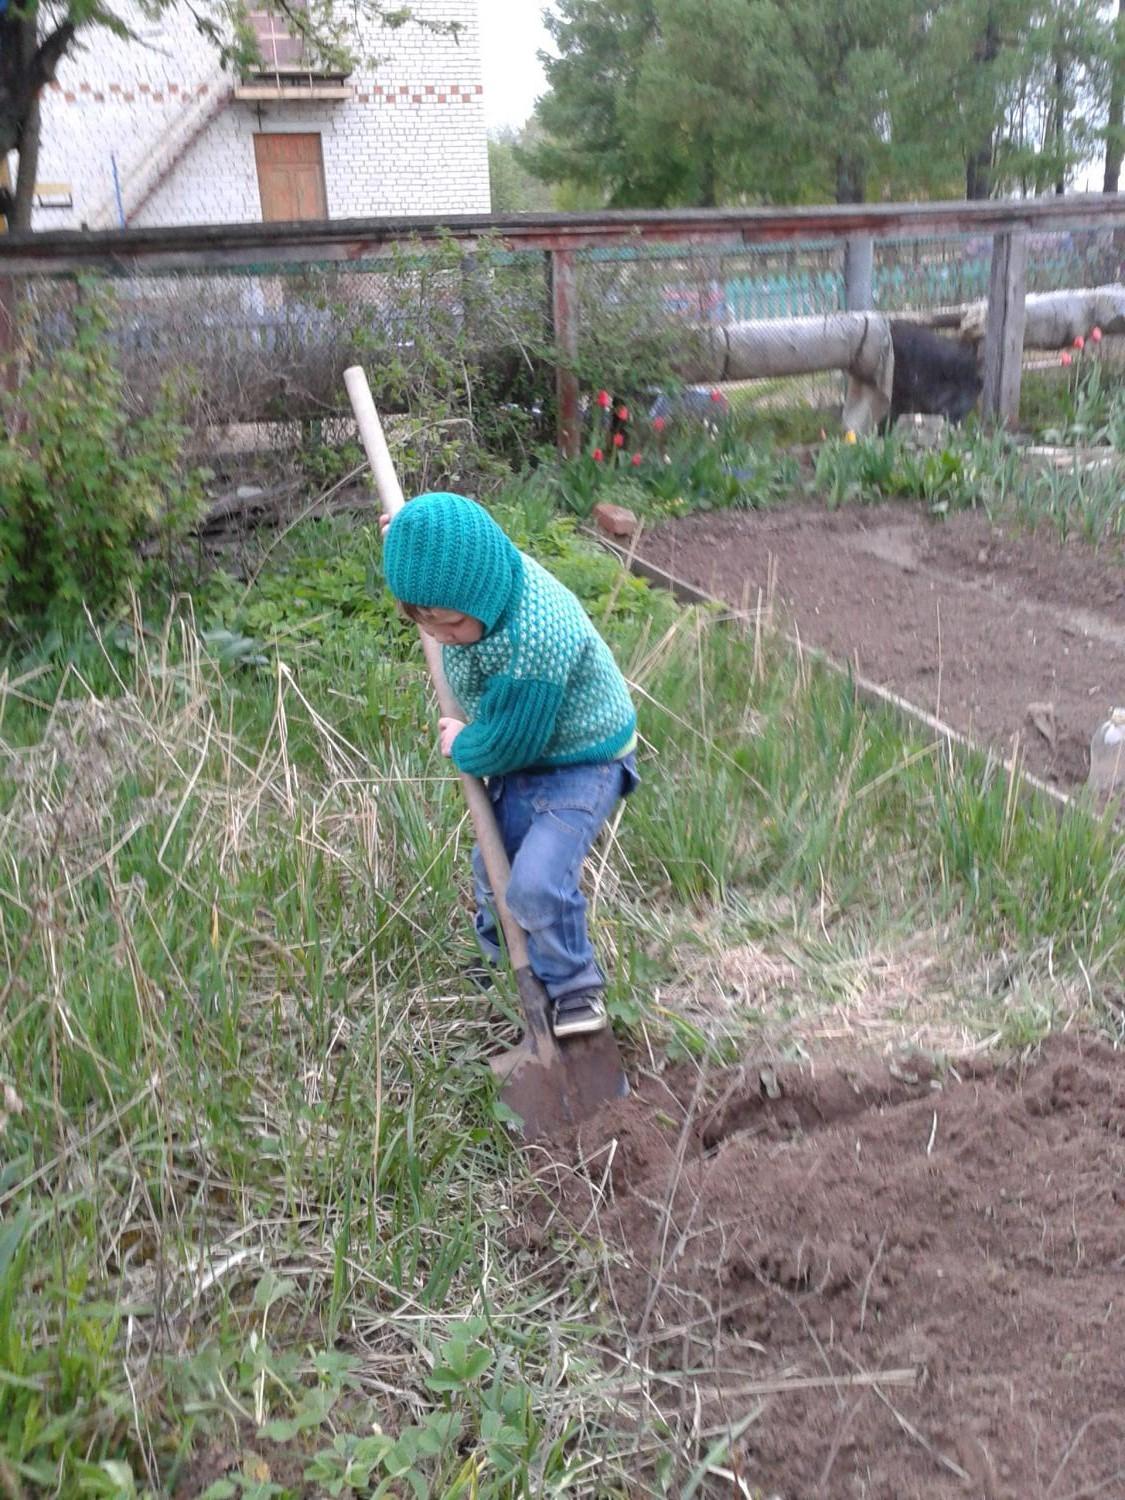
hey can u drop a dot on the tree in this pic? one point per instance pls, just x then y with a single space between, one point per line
35 35
587 113
514 189
1115 101
715 101
1010 87
31 48
707 101
844 64
961 79
721 110
1050 126
696 105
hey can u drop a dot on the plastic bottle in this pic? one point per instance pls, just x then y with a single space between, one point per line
1107 754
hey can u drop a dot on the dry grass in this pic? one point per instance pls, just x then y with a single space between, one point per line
252 1171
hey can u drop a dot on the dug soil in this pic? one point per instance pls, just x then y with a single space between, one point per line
997 632
897 1284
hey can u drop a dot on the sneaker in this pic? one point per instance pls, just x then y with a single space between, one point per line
575 1015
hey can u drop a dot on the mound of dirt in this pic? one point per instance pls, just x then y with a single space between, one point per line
918 1279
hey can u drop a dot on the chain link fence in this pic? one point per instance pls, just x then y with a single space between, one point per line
466 340
259 352
924 279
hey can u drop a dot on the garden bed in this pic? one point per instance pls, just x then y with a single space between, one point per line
997 632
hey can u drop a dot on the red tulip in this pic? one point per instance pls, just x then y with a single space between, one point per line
619 440
658 424
598 455
1080 342
622 413
605 401
1096 334
636 460
1066 358
716 396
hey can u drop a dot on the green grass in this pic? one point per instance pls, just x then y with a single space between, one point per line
254 1192
974 471
677 471
743 463
1043 399
1083 403
779 411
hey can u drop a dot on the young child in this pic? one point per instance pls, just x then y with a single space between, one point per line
550 727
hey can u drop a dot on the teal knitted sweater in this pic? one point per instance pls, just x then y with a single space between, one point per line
541 687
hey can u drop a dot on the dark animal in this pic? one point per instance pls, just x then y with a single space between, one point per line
936 376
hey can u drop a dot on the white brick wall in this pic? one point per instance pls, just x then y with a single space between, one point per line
410 140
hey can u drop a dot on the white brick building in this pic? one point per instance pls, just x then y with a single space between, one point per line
153 132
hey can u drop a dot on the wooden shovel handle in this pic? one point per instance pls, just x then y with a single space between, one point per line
480 805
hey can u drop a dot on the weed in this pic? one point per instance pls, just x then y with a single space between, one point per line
325 463
256 1204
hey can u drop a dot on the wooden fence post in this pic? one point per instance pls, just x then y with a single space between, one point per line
564 329
7 305
1003 338
859 273
8 370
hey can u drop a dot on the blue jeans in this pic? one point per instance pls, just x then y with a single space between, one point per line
548 820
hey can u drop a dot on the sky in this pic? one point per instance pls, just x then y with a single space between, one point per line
512 32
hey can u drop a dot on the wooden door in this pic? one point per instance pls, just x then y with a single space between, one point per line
290 177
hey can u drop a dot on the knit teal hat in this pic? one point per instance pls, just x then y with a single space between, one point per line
446 552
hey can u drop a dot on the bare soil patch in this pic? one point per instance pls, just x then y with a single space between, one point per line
913 1279
970 621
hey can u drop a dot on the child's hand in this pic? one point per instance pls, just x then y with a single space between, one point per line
384 522
448 730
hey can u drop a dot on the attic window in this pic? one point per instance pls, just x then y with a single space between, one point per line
281 51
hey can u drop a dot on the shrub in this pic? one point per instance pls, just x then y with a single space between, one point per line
84 481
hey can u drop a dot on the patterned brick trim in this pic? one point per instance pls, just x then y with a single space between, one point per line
378 93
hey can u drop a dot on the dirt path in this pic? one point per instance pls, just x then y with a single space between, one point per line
792 1236
969 622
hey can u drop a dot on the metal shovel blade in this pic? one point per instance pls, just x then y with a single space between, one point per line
552 1085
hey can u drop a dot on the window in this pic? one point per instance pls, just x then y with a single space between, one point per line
282 52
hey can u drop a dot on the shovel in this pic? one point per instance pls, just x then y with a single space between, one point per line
548 1084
